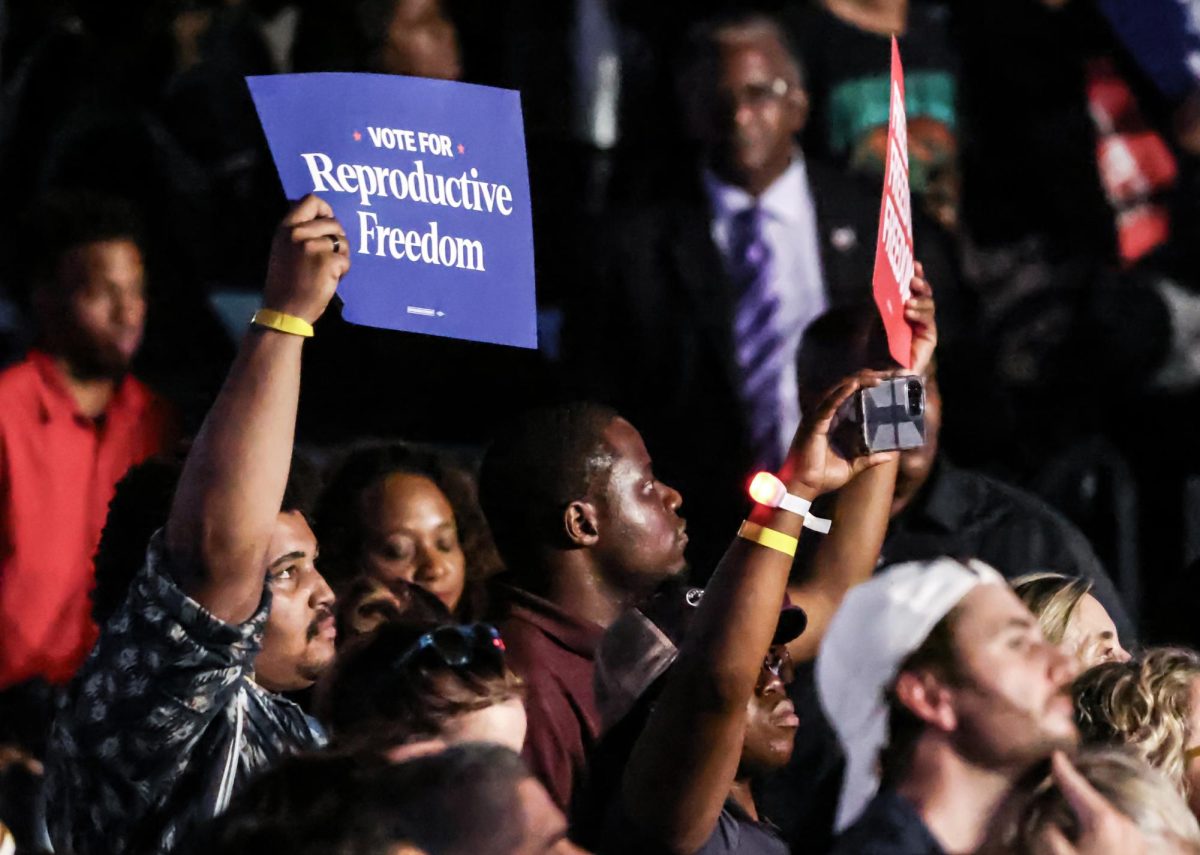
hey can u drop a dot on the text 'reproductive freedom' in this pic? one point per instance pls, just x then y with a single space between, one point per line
416 185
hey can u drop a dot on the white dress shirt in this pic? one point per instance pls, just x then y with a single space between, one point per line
790 225
595 41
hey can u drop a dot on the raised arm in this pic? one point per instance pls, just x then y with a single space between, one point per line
232 485
849 553
846 556
684 762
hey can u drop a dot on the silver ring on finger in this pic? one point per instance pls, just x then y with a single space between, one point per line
337 243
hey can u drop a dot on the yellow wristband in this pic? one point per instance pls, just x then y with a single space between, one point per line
768 537
284 323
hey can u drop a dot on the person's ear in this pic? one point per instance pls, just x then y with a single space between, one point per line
797 99
581 523
928 698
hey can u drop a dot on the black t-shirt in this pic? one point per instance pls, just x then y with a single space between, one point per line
890 825
164 723
960 512
803 796
1029 144
848 72
736 834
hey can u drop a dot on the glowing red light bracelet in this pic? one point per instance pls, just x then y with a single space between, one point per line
768 490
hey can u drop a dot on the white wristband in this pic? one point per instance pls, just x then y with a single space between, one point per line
768 490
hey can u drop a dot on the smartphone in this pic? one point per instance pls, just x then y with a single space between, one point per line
887 417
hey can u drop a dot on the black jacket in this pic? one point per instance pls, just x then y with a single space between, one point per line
649 330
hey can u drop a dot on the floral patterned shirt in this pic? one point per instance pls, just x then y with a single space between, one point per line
163 722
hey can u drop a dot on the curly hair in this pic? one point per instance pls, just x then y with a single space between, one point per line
368 698
1052 597
1144 704
1123 778
338 520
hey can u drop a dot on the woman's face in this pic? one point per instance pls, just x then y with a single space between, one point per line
1091 634
1191 768
771 719
410 534
421 41
503 723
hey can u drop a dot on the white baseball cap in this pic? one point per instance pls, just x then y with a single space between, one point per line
879 624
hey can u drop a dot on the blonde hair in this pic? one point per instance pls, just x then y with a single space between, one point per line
1144 704
1052 597
1131 786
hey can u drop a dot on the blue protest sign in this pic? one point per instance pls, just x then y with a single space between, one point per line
1163 36
428 177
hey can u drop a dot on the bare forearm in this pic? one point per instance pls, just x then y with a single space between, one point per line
681 768
728 640
685 760
234 478
847 555
228 499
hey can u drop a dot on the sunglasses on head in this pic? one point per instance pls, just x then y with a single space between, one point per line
456 647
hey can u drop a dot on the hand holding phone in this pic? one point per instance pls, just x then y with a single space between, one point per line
887 417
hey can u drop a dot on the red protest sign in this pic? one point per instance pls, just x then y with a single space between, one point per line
894 246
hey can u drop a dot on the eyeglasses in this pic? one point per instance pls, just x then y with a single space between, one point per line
456 647
756 95
1191 753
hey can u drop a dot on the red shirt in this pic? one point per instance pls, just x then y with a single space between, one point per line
555 654
58 469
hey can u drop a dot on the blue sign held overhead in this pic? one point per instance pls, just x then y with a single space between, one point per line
428 177
1163 36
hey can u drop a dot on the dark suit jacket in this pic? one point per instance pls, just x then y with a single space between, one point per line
649 331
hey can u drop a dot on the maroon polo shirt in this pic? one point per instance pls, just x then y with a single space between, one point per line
554 653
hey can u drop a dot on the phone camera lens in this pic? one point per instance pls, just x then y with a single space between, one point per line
916 398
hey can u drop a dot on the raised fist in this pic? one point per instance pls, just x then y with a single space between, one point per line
309 255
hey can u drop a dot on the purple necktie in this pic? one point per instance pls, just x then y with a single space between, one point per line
758 343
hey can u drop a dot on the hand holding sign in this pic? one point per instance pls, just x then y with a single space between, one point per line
894 265
428 177
1163 37
920 313
308 257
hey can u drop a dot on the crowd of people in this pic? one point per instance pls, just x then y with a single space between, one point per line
288 584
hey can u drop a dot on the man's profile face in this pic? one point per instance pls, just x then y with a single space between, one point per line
753 113
642 536
1013 706
298 644
97 314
